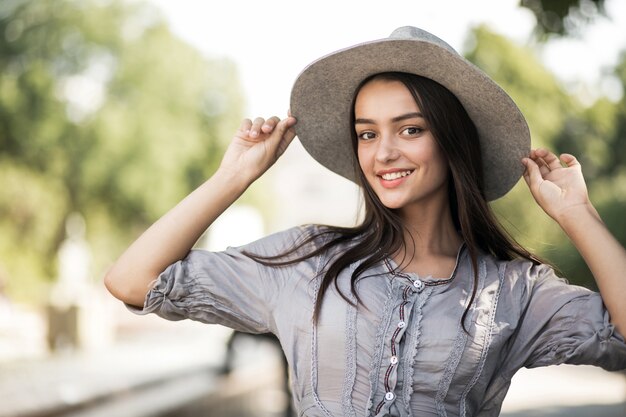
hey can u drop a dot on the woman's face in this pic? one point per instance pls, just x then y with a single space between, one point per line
399 156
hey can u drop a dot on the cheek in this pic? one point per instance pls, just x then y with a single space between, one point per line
363 157
441 165
432 153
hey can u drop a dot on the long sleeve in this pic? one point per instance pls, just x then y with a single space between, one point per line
562 323
229 287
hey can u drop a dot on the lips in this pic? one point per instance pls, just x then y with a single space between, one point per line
389 176
393 178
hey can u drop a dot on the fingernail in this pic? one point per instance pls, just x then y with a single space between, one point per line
267 126
254 133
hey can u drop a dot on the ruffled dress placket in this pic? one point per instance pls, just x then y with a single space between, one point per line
396 356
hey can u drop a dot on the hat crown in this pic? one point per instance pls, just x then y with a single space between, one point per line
413 33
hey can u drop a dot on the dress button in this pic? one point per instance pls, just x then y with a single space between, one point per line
393 360
401 324
389 396
418 284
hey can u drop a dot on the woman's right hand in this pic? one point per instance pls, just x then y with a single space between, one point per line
257 145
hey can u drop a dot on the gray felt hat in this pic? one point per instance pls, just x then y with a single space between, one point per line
322 95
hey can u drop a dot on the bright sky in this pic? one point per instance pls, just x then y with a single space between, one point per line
273 40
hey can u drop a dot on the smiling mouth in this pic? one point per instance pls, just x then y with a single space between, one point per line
390 176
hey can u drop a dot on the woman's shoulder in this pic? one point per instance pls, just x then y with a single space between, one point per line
524 269
306 238
521 271
314 233
524 278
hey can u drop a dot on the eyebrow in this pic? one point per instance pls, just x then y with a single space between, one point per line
394 120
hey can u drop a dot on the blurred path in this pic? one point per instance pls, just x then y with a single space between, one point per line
613 410
155 368
144 357
171 369
566 391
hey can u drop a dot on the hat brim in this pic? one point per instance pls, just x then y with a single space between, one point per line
323 93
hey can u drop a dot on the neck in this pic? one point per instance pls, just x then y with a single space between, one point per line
430 231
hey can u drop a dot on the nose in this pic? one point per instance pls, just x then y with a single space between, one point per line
387 150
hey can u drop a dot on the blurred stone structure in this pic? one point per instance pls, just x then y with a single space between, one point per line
75 312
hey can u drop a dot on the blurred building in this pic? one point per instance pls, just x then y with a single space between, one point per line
307 192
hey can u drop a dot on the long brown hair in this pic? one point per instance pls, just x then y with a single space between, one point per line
381 232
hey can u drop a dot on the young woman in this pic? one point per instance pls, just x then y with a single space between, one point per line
427 308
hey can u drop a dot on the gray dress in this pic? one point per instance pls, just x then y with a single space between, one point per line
402 351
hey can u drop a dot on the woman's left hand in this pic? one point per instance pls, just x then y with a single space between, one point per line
561 192
558 189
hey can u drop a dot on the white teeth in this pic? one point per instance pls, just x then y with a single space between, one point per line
395 175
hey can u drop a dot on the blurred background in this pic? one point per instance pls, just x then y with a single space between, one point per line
111 111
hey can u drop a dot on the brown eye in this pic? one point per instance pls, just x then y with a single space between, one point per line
412 131
367 136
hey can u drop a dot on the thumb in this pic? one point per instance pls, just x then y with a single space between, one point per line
284 134
532 175
284 125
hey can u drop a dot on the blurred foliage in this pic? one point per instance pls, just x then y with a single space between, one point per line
598 138
562 17
544 104
103 112
595 134
106 113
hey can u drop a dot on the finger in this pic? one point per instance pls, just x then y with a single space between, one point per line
284 144
287 136
245 126
255 129
569 160
526 174
270 124
549 158
541 165
532 175
283 126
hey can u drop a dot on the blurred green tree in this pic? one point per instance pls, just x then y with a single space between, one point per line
103 111
563 17
598 138
544 104
595 134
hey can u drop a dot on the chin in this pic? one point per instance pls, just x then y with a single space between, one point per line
392 204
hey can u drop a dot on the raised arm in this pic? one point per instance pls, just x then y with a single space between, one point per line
253 149
562 194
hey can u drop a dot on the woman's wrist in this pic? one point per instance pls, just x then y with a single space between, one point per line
578 218
236 181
